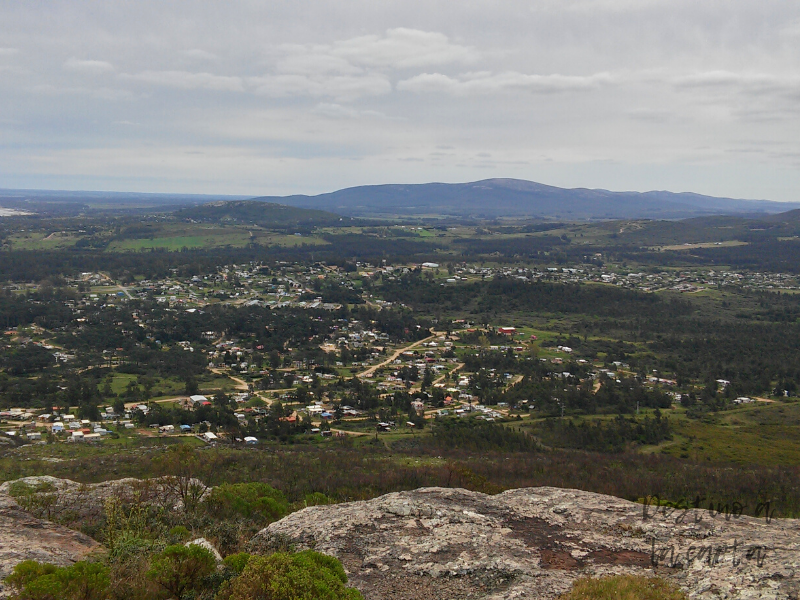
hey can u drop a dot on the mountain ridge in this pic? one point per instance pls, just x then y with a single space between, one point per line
517 198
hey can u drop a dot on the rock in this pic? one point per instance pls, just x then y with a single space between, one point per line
437 543
23 537
72 502
204 543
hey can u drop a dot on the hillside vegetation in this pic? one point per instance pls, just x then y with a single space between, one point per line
263 214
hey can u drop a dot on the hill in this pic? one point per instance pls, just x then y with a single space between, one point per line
492 198
263 214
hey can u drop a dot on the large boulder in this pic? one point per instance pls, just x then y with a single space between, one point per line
24 537
437 543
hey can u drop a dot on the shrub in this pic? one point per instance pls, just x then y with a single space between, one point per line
284 576
257 501
624 587
317 498
180 533
181 569
236 562
36 581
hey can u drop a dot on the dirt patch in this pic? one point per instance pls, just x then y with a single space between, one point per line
537 533
630 558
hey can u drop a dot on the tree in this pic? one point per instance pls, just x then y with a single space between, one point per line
119 406
274 359
88 409
285 576
180 569
191 387
222 400
180 465
427 379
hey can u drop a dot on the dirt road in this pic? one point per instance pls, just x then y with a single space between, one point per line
371 370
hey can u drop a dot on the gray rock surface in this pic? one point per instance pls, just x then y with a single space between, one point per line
437 543
204 543
23 537
69 501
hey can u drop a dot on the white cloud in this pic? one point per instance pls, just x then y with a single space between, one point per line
484 82
187 81
356 67
341 87
89 66
313 60
9 51
403 48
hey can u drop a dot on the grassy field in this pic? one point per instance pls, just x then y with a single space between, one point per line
37 240
199 238
175 238
765 434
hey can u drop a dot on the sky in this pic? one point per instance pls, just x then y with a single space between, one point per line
299 96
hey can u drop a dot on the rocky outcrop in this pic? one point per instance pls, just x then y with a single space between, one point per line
23 537
72 502
437 543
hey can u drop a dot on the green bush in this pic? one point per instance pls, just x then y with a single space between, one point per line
181 569
317 498
306 575
31 580
257 501
180 533
237 562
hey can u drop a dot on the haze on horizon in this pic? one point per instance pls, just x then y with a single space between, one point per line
302 97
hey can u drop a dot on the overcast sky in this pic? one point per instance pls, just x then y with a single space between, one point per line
293 96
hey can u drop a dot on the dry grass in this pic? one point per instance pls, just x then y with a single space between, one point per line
624 587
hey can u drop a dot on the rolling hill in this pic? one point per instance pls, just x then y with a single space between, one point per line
263 214
492 198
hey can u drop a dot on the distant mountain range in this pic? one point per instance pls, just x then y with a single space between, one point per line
490 198
493 198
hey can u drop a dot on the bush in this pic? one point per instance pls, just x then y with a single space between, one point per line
624 587
257 501
317 499
36 581
181 569
284 576
236 562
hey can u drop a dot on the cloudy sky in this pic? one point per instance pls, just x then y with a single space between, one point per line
297 96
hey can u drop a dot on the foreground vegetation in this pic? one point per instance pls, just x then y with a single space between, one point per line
186 571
